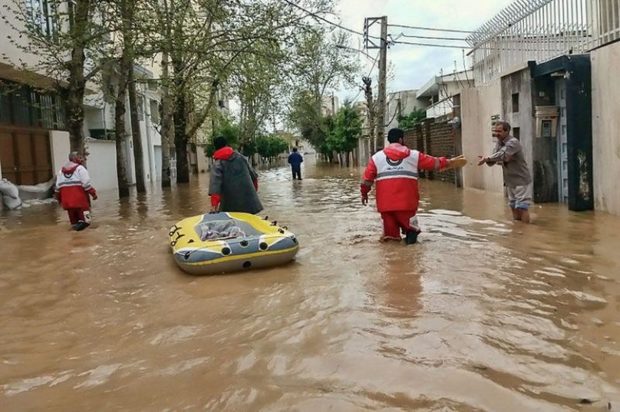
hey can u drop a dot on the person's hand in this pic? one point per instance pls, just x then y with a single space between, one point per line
216 201
364 189
481 160
456 162
95 196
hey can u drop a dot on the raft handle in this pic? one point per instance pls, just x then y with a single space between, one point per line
173 229
174 242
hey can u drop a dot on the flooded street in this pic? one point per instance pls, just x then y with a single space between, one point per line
482 314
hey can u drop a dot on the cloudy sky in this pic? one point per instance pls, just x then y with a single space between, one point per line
412 66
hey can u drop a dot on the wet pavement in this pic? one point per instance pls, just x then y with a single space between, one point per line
482 314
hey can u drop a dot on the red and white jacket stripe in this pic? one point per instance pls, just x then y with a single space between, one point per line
73 187
395 169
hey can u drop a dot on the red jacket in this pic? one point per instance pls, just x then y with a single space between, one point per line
73 187
395 169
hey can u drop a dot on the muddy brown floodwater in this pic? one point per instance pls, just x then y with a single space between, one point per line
482 314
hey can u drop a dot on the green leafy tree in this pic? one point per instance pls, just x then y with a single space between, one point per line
270 146
63 41
412 119
346 130
322 63
212 46
228 129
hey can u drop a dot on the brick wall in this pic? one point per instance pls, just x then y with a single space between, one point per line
435 139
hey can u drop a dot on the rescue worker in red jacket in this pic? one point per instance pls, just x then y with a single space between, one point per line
395 169
72 190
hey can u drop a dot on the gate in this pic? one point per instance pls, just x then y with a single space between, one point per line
25 155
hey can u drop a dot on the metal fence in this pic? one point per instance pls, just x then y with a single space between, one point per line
541 30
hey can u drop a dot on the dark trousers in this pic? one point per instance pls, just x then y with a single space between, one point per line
296 172
393 222
75 215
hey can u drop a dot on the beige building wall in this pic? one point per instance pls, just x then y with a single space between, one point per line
13 58
478 105
60 147
101 163
606 128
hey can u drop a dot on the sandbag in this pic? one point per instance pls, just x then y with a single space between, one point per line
10 195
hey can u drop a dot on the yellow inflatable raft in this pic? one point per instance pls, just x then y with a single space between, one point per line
225 242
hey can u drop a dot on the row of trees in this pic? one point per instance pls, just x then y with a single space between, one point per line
267 146
269 56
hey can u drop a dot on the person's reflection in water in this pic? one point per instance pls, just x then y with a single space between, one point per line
399 288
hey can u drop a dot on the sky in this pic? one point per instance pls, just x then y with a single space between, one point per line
412 66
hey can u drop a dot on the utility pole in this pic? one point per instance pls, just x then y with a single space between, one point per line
382 44
382 80
371 109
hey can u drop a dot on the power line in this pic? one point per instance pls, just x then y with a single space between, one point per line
357 50
374 63
431 37
450 46
432 45
430 28
316 16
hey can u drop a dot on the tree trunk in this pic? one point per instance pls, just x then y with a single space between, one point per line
180 136
138 153
166 122
76 81
119 127
125 67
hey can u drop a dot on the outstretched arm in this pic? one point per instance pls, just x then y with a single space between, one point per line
427 162
503 153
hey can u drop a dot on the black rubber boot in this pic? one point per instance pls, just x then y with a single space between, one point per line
411 237
80 226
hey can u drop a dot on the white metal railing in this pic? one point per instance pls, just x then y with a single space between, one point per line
441 108
541 30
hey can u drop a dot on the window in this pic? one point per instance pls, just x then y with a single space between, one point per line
21 106
60 113
515 103
516 132
71 13
42 16
5 106
47 111
154 105
26 106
